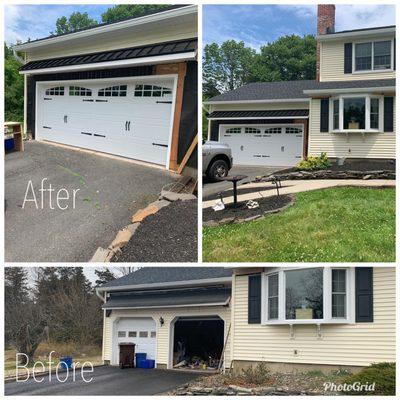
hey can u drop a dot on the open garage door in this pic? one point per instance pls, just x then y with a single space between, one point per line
122 117
198 343
270 145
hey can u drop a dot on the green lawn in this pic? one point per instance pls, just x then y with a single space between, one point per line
335 225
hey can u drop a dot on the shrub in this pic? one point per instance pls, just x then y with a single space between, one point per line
314 163
256 375
384 376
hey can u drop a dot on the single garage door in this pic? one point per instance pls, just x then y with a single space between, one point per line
127 118
274 145
141 331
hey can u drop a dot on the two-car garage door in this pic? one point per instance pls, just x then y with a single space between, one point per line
274 145
126 118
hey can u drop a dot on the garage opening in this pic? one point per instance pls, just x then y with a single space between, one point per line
198 343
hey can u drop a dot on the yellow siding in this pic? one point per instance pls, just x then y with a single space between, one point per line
352 345
332 65
163 332
260 106
352 145
103 42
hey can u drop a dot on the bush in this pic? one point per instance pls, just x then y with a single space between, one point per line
314 163
384 376
258 375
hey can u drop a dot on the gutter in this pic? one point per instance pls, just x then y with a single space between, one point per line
222 303
370 32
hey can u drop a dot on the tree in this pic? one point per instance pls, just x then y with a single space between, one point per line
104 275
13 87
289 58
124 11
226 67
73 23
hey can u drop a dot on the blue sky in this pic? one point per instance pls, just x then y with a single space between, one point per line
259 24
37 21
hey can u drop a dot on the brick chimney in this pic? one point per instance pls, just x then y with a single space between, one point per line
325 25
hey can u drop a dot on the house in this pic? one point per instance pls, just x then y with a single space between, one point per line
127 88
291 318
347 112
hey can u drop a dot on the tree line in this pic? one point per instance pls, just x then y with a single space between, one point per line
60 306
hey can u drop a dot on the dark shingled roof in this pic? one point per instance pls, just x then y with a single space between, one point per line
144 14
150 50
164 298
153 275
362 29
258 114
293 89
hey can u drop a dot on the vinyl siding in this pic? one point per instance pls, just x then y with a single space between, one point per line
103 42
332 64
352 145
163 332
358 344
260 106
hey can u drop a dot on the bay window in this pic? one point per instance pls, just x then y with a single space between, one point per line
308 295
373 56
359 113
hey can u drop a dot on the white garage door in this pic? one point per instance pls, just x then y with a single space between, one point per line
141 331
274 145
130 119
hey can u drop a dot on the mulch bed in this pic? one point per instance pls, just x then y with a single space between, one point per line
170 235
242 213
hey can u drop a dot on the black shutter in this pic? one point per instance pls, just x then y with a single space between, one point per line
388 114
348 58
324 123
364 294
394 54
254 299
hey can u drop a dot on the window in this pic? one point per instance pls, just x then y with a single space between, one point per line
151 91
291 130
273 130
113 91
132 334
273 298
79 91
373 56
304 294
153 334
121 334
234 130
339 293
360 113
143 334
308 295
251 130
55 91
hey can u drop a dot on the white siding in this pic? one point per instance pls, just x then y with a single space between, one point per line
352 145
163 332
358 344
332 64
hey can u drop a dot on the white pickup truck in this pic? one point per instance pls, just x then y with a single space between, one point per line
217 160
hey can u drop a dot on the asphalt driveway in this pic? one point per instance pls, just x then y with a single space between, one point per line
108 192
106 381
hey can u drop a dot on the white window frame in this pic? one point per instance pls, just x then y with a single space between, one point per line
367 122
368 71
327 298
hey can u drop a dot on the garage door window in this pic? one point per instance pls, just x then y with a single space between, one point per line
55 91
132 334
143 334
113 91
290 130
79 91
234 130
273 130
153 334
252 130
151 91
121 334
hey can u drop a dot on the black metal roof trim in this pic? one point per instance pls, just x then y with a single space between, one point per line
150 50
362 29
155 275
169 298
144 14
259 114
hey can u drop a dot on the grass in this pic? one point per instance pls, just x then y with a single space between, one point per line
345 224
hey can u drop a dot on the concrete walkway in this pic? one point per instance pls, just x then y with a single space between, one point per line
297 186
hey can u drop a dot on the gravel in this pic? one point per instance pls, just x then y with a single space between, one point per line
170 235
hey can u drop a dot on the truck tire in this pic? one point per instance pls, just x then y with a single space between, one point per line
217 170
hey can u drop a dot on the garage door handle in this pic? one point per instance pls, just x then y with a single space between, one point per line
126 125
160 144
282 148
65 119
129 125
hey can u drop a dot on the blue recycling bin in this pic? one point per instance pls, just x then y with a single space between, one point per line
66 362
140 357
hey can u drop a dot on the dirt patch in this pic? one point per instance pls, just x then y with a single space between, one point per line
241 213
170 235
